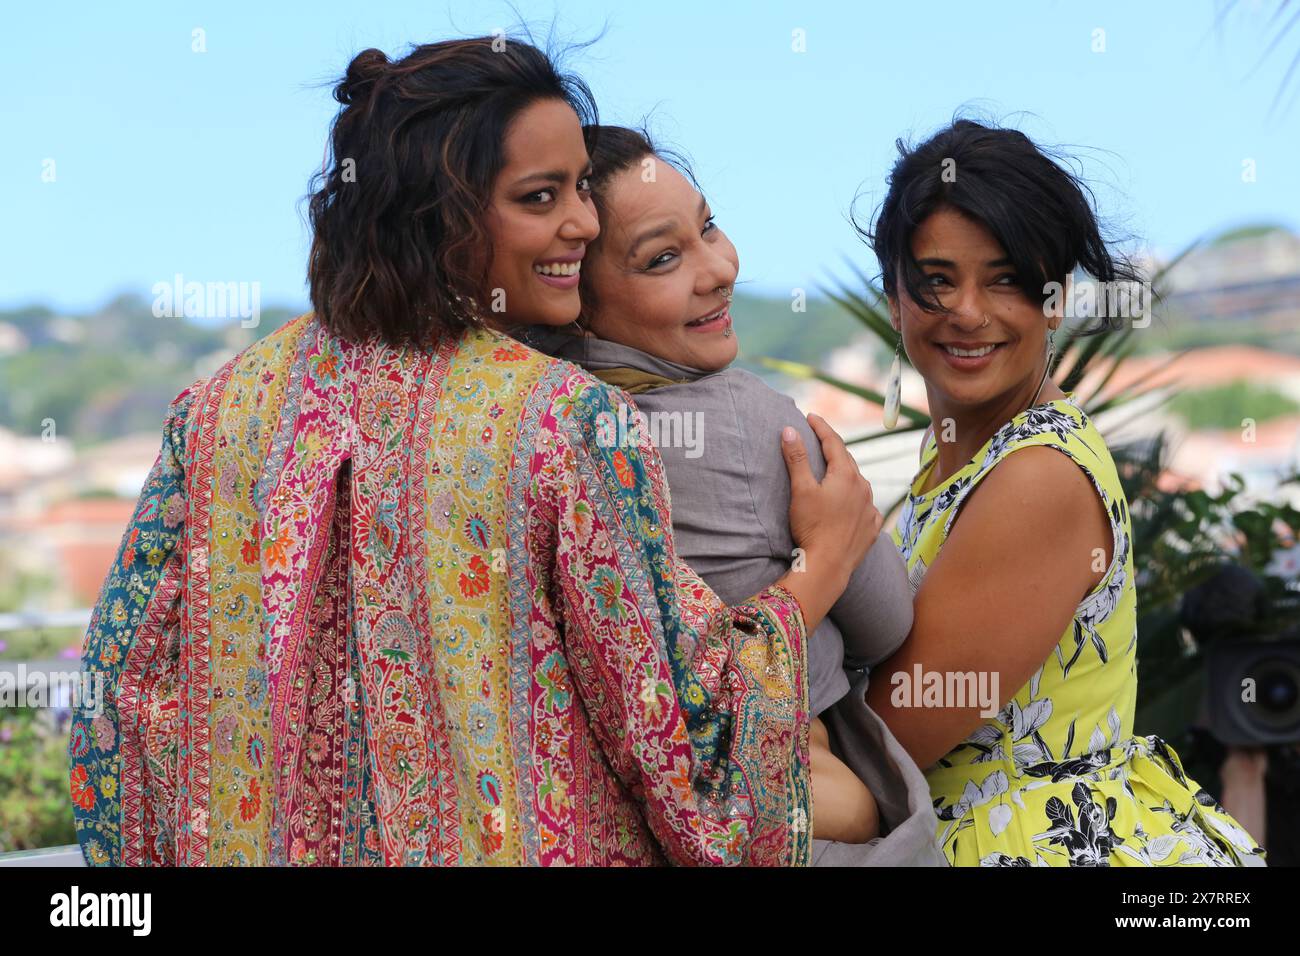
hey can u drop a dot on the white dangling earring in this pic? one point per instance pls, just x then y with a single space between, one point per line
894 387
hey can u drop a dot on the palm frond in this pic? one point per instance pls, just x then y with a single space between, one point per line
800 370
1128 393
1284 33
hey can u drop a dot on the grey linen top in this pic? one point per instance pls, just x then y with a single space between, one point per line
730 497
730 493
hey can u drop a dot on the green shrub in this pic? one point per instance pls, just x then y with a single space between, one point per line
1226 406
35 806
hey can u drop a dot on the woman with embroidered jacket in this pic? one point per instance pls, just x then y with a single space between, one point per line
1032 591
656 287
388 599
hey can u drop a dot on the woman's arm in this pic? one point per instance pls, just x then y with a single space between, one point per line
1001 593
124 650
701 709
874 612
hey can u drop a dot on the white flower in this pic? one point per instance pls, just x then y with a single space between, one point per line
1235 835
1162 846
995 784
999 817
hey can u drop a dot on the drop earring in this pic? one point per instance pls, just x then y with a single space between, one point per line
1047 367
894 386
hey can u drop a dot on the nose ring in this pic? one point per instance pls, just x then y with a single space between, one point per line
986 320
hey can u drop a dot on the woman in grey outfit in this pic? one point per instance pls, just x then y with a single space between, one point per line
656 287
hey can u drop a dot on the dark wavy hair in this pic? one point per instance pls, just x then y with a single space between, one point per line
399 247
614 149
1041 213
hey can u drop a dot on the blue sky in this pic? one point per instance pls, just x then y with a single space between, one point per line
169 161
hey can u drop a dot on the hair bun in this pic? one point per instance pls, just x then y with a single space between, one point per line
366 68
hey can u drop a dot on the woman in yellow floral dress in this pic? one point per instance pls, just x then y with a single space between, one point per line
1033 590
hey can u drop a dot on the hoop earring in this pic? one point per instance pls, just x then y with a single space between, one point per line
894 386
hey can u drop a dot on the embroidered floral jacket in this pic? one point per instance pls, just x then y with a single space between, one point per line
402 606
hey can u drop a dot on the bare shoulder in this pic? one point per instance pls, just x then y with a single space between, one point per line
1035 517
1037 479
1041 499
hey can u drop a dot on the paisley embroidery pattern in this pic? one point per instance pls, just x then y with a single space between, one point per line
399 606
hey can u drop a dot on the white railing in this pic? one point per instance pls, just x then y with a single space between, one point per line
23 620
50 856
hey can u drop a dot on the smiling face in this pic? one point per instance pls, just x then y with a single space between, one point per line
658 269
540 220
965 362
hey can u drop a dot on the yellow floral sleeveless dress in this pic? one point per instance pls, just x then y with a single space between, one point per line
1057 777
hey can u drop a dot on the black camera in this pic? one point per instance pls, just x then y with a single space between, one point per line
1253 692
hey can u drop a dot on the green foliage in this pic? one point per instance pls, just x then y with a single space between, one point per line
1177 334
770 327
35 807
38 643
1226 406
112 372
1181 538
18 586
